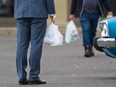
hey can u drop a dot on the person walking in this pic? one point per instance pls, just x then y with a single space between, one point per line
89 12
31 19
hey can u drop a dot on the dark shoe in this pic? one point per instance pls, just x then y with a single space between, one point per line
37 82
88 51
23 82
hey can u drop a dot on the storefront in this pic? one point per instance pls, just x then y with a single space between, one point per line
62 11
6 8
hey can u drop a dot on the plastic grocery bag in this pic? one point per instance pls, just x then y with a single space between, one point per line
53 35
72 33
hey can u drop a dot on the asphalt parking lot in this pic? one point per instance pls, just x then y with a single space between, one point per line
61 66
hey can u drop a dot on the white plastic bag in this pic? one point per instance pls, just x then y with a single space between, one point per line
71 34
53 35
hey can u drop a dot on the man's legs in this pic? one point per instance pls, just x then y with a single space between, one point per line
86 26
23 40
89 24
94 23
38 29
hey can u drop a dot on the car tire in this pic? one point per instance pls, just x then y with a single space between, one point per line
96 45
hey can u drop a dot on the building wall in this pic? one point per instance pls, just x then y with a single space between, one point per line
62 14
61 11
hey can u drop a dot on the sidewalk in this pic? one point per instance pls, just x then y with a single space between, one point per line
7 30
12 30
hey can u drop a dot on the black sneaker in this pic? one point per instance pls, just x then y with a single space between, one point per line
36 82
23 82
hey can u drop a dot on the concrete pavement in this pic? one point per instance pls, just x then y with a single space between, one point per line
61 66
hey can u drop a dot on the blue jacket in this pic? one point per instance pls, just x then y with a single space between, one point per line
33 8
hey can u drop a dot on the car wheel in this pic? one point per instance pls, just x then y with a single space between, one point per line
96 45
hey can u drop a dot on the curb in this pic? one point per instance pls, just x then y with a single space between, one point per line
8 31
12 30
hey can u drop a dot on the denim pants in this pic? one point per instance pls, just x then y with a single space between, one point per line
30 31
89 23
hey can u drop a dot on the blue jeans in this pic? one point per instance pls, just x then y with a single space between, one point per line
30 31
89 23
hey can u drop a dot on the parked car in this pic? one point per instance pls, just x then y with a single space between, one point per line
106 42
